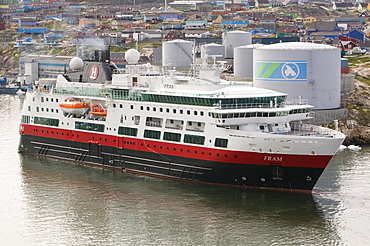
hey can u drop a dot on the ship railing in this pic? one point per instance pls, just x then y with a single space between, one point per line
298 129
153 124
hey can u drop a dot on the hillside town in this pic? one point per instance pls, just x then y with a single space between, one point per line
61 28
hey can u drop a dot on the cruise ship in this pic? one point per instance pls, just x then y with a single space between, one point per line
191 127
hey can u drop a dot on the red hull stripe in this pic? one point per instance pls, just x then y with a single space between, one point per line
176 149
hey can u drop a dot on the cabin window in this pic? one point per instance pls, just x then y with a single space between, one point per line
89 126
152 134
194 139
128 131
114 105
201 113
46 121
195 112
181 111
29 108
171 136
131 106
141 108
174 111
25 119
121 106
221 142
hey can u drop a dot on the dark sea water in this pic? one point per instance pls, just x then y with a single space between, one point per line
49 202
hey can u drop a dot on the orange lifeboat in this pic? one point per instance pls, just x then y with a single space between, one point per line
73 106
96 110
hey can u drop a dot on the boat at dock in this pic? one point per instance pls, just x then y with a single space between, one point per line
162 123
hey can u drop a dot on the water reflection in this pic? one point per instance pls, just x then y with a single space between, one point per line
91 205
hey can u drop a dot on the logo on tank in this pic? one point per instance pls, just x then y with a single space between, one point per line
290 70
94 72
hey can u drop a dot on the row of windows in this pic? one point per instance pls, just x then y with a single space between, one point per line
46 99
171 136
44 109
258 114
167 110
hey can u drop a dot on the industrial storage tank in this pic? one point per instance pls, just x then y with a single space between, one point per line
243 60
212 49
302 70
177 53
234 39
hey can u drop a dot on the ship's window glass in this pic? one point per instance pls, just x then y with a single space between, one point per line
42 99
170 136
259 114
195 112
33 99
181 111
47 99
154 109
128 131
160 109
167 110
52 99
56 111
174 111
121 106
114 105
221 142
42 109
56 100
188 112
152 134
201 113
141 108
194 139
262 128
46 121
47 109
147 108
52 110
265 114
29 108
131 106
25 119
89 126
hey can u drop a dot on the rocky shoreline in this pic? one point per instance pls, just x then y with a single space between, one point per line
357 127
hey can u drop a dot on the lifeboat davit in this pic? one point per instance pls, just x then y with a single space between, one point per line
72 106
96 110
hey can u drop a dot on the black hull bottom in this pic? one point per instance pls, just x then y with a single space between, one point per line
174 167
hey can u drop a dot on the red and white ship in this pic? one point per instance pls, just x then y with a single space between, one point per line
190 128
